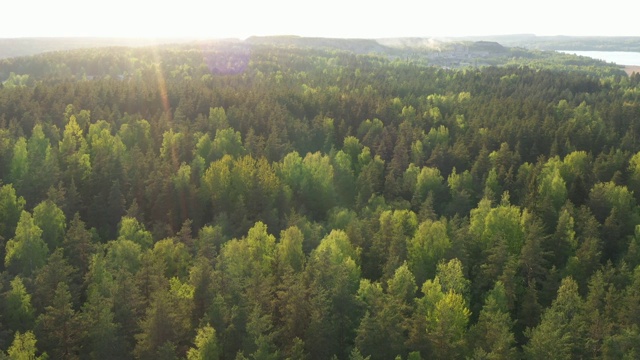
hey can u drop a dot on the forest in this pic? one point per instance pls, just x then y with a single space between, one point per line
270 201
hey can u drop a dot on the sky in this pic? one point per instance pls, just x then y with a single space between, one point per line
322 18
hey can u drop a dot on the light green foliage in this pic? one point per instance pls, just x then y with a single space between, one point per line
123 254
136 133
353 148
180 290
387 307
38 146
492 187
504 222
439 136
174 255
369 292
604 197
209 240
42 169
585 125
182 179
410 178
341 218
426 248
615 207
19 163
248 265
575 164
417 152
203 147
334 278
564 238
429 181
311 180
131 229
396 228
103 146
447 326
451 276
84 118
409 113
459 183
74 152
99 279
382 332
356 355
565 228
338 245
172 143
24 347
261 247
289 249
18 311
206 343
434 114
26 252
432 290
227 142
369 130
246 189
478 217
216 181
634 170
50 218
11 207
218 118
552 190
402 287
16 80
297 351
369 182
462 192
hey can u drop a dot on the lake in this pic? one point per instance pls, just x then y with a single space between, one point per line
618 57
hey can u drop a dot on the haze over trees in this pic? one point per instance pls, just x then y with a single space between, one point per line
280 202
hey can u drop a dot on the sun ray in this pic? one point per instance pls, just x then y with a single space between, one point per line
162 86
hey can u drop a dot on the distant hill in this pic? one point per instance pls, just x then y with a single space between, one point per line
390 46
232 54
580 43
361 46
14 47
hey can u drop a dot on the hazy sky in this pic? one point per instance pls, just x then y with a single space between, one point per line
328 18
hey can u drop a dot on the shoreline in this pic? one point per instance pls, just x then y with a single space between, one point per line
630 69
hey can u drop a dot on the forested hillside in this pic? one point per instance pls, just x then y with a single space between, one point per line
278 202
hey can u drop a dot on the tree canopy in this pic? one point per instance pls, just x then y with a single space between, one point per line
261 201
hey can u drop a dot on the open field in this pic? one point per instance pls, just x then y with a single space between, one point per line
630 69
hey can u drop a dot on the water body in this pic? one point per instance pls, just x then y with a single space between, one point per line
618 57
